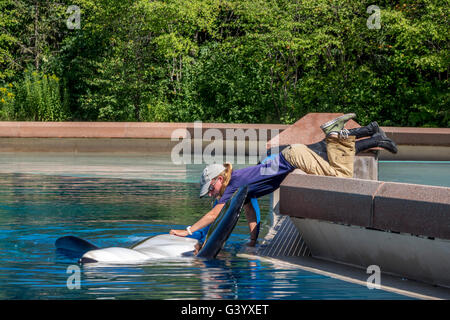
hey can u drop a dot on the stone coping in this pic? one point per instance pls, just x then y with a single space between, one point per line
164 130
135 130
419 136
389 206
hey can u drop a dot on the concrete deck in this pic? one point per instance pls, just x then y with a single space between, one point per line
352 274
403 228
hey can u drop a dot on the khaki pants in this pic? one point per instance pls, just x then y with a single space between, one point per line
341 155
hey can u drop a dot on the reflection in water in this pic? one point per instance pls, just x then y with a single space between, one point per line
217 280
224 278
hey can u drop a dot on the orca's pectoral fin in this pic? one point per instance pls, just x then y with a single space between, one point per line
73 246
188 254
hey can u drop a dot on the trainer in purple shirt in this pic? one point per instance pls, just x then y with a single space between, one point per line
221 181
340 145
261 179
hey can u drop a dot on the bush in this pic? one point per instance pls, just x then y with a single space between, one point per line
38 98
7 98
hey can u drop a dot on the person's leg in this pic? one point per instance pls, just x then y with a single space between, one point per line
338 125
303 158
334 125
379 140
340 148
341 154
320 148
250 214
361 132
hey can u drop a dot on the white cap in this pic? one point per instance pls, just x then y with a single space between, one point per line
209 173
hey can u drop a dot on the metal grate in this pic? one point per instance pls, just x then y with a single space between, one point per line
283 239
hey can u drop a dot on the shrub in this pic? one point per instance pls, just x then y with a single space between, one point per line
7 98
38 98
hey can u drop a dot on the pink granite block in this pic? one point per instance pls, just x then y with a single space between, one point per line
419 136
332 199
122 130
415 209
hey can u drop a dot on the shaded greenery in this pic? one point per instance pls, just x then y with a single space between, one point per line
254 61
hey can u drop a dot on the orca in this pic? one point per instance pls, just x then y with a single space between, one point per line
161 246
157 247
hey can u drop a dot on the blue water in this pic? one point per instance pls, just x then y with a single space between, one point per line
41 202
435 173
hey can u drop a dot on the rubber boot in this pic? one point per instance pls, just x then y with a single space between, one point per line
377 140
366 131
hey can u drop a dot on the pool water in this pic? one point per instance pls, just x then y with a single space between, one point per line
435 173
117 203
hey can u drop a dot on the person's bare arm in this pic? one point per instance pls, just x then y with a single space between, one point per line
204 221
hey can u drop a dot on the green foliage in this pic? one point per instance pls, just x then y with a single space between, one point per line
255 61
37 98
30 34
7 99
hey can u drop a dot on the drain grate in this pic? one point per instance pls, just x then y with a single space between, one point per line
283 239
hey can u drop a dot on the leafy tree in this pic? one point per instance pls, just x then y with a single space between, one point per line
232 60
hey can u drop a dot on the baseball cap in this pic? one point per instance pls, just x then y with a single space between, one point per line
209 173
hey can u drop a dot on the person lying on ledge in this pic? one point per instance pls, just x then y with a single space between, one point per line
333 156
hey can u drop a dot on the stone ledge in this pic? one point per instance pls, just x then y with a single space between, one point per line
419 136
306 130
135 130
340 200
389 206
415 209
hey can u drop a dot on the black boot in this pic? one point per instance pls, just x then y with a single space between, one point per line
366 131
380 140
385 143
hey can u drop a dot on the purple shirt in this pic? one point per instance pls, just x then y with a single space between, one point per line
262 179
